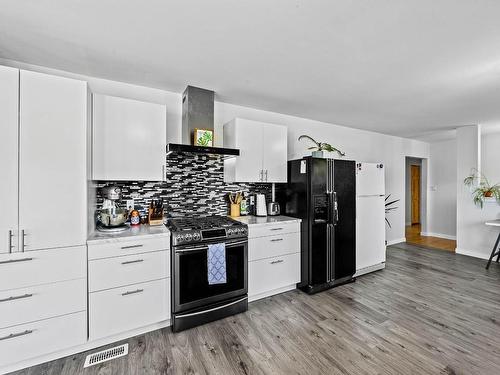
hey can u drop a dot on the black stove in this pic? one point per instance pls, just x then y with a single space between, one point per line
192 230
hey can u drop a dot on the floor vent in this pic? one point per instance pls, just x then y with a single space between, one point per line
106 355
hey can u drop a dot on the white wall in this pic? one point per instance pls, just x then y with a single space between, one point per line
358 144
473 237
442 213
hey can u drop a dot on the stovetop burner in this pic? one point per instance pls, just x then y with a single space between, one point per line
188 230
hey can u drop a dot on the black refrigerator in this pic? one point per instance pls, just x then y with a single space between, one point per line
322 192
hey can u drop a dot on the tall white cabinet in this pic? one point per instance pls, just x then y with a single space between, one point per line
263 151
129 139
9 104
52 161
43 273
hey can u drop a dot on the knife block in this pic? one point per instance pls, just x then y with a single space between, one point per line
155 218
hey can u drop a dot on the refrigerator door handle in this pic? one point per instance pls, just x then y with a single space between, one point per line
335 208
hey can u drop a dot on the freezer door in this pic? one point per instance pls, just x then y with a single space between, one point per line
370 179
319 221
370 231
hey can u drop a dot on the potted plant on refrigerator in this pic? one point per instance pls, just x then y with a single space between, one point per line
320 147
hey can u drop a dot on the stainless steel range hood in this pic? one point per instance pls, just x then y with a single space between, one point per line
198 113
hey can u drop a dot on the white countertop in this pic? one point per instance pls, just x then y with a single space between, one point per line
140 230
263 220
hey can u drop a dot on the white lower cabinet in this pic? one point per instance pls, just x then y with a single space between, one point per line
266 275
274 258
122 309
42 337
39 302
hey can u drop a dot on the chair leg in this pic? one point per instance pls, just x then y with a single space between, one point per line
493 252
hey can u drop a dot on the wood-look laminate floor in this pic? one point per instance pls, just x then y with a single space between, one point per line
414 237
428 312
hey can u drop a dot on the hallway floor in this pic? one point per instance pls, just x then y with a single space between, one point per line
413 237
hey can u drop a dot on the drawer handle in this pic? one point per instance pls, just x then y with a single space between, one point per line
277 239
133 261
277 261
133 292
276 229
16 260
132 246
13 335
13 298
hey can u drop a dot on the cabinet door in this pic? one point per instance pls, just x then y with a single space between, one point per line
275 153
249 141
52 166
9 99
129 139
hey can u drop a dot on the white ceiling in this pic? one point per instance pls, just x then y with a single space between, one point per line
399 67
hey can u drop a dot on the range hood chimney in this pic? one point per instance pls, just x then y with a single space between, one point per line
198 113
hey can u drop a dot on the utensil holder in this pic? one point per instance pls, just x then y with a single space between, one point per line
235 210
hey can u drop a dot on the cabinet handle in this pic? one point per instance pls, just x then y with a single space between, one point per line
10 241
16 260
277 261
23 244
13 298
276 229
13 335
277 239
133 292
133 261
131 247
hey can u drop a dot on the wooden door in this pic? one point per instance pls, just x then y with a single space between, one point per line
9 99
52 161
415 194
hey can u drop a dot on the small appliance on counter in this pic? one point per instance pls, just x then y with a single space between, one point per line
273 208
260 205
111 217
155 212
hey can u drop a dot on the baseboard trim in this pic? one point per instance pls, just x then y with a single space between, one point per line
89 345
394 242
365 270
270 293
472 253
439 235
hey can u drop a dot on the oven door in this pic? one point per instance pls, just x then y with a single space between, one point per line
190 285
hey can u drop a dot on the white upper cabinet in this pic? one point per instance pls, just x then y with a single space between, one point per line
263 151
9 99
52 164
129 139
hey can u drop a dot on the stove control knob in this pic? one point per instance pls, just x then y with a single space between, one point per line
196 236
229 232
180 238
189 237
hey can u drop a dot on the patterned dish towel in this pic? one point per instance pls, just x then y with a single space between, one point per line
217 264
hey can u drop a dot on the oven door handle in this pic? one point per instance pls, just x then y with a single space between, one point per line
228 244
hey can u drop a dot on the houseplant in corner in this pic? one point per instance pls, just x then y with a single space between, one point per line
389 207
320 147
481 188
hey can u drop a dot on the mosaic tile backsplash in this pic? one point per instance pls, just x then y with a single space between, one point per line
194 186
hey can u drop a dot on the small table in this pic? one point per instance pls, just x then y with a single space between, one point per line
496 249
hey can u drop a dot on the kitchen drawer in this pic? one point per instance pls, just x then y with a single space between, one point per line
271 229
131 269
42 337
133 246
271 246
19 306
268 274
19 270
122 309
